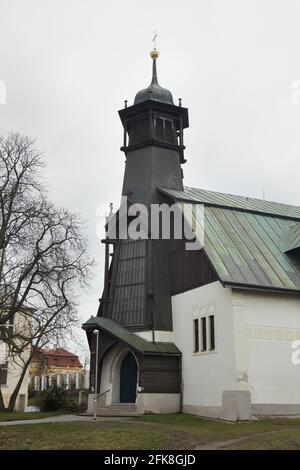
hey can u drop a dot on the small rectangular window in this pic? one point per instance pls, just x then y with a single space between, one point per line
196 335
212 331
203 334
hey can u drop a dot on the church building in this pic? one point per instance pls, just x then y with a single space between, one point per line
211 331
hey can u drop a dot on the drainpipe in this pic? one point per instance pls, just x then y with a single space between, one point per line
150 292
96 332
181 386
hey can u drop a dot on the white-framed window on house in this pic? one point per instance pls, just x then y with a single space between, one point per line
204 334
64 381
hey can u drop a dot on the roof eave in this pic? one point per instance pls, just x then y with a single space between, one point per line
256 287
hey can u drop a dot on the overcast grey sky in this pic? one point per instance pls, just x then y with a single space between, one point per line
69 64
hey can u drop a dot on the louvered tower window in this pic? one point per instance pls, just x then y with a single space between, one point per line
159 129
164 131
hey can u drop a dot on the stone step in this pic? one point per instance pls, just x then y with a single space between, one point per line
122 405
118 409
115 412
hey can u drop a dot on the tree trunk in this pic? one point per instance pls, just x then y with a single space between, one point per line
14 395
2 407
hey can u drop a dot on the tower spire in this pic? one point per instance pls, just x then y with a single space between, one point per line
154 91
154 80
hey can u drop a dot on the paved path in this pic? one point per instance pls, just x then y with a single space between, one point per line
60 419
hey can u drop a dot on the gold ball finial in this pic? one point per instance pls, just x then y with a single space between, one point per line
154 54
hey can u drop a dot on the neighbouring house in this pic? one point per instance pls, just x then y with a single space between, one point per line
209 331
11 368
57 367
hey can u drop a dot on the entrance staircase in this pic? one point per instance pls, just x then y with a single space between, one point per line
118 409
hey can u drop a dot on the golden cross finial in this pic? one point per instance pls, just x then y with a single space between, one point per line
154 54
154 39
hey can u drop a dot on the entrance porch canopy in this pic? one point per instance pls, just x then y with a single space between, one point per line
130 339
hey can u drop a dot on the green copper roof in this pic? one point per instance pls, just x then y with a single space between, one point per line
154 91
129 338
243 238
233 202
291 239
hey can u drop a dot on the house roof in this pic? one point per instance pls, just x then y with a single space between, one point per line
59 352
57 356
243 238
129 338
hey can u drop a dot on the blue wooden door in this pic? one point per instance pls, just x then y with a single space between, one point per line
128 379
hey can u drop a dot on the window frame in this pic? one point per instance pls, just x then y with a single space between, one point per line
205 343
211 332
196 335
203 330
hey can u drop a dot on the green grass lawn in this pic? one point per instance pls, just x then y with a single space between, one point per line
14 416
155 432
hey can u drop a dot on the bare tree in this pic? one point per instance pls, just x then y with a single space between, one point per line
43 257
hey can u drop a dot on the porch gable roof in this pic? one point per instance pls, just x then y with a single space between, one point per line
131 339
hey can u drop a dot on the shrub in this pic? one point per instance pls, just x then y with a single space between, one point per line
56 399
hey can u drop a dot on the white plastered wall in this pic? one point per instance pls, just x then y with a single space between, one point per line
14 371
254 336
13 375
205 375
272 324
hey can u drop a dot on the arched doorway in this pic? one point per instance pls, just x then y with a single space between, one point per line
128 379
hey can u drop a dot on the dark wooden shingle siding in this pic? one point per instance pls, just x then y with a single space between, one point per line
189 269
160 374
